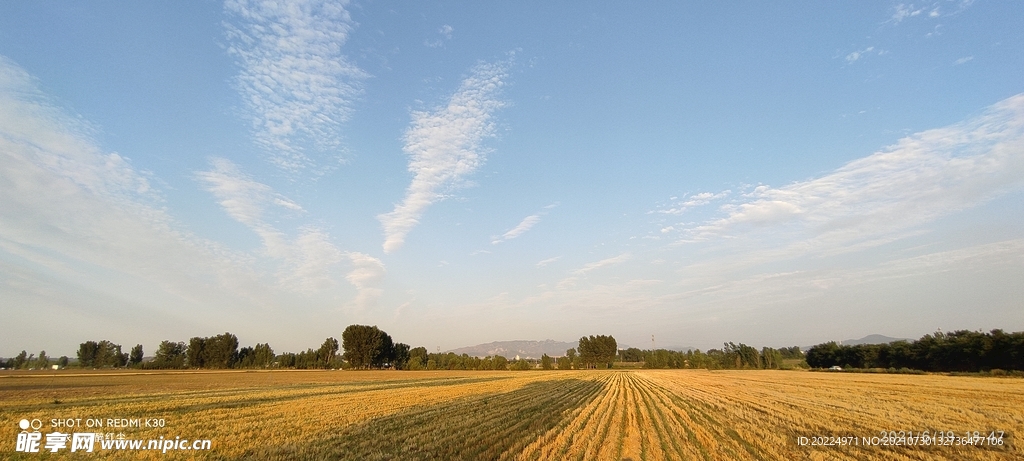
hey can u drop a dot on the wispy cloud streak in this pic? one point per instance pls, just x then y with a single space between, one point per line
68 208
603 263
296 83
525 225
582 272
242 197
545 262
854 56
444 146
693 201
366 274
445 34
884 195
308 263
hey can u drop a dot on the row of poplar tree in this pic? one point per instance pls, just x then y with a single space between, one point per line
362 346
959 351
369 347
730 356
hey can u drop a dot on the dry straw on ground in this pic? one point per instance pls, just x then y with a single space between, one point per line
684 414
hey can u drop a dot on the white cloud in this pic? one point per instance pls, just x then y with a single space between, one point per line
883 196
904 11
615 260
854 56
89 245
548 261
446 34
312 262
791 285
581 273
75 214
934 10
366 274
295 82
694 201
962 60
307 264
444 146
526 224
243 198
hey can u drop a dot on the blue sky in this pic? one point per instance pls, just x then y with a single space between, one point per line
463 173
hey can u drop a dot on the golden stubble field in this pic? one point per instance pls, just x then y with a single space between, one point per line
575 415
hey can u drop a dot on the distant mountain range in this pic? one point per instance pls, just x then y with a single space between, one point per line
869 339
524 349
872 339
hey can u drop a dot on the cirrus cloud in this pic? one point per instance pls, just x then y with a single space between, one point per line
295 82
884 196
444 146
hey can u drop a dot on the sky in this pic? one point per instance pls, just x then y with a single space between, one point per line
465 172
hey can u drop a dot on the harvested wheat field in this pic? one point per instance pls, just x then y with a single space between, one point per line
577 415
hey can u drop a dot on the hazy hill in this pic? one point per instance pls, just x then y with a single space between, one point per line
524 349
869 339
872 339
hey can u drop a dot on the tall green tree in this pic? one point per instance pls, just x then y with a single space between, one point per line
101 354
169 355
366 346
386 354
546 362
87 354
20 361
771 358
194 354
42 361
325 355
401 360
418 358
262 356
822 355
598 351
135 357
632 355
220 351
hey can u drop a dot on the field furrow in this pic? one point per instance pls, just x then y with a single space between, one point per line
563 415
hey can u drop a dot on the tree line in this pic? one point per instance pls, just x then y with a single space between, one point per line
959 351
361 347
368 347
221 351
730 356
24 360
